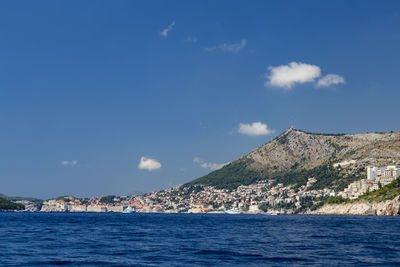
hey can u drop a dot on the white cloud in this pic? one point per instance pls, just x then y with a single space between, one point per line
164 33
233 48
149 164
285 76
254 129
192 39
208 165
330 79
210 49
71 163
197 160
212 166
229 48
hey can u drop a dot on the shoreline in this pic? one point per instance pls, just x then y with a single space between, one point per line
308 213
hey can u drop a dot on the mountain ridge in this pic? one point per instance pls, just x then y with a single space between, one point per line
296 152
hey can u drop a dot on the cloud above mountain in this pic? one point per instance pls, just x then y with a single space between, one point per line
208 165
287 76
149 164
254 129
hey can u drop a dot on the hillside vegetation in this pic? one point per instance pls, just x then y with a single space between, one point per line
387 192
296 155
14 198
230 176
8 205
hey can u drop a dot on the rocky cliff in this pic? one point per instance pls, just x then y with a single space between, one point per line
388 208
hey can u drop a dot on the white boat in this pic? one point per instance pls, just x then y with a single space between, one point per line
274 212
233 211
129 210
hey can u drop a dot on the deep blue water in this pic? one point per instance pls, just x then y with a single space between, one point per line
71 239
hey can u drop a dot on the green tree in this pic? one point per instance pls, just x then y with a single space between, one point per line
337 200
263 207
8 205
107 199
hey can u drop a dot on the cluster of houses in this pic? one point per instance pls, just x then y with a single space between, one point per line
93 204
208 199
194 199
376 178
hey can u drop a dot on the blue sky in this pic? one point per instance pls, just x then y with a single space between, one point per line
92 90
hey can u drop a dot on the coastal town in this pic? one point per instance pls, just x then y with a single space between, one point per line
195 199
263 196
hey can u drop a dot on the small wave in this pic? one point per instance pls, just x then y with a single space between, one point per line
247 255
50 262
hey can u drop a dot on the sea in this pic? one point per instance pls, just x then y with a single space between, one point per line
140 239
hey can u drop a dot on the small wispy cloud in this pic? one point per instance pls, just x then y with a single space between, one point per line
197 160
164 33
228 47
208 165
254 129
330 79
233 48
192 39
149 164
212 166
210 49
71 163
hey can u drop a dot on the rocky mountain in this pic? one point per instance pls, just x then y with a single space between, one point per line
335 160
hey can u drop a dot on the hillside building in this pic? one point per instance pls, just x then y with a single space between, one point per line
376 177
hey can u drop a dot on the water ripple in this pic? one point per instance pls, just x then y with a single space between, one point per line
35 239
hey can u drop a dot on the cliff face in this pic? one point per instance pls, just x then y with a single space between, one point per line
388 208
